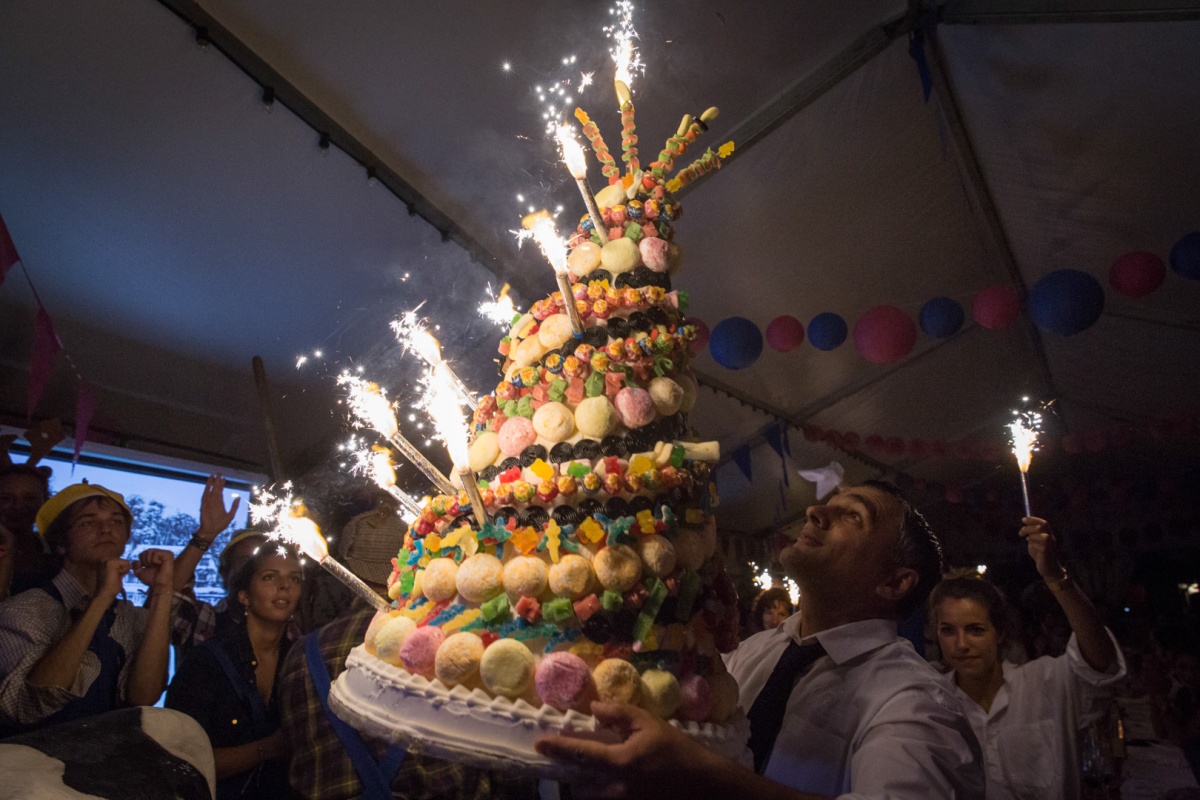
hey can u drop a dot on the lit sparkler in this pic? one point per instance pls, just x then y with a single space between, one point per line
415 337
370 408
443 405
573 157
541 228
376 463
500 310
624 54
289 524
1024 430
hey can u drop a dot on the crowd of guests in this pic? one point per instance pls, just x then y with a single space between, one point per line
838 704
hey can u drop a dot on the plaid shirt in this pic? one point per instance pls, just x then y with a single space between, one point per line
33 622
321 770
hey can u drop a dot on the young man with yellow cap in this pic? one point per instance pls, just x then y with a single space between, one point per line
71 648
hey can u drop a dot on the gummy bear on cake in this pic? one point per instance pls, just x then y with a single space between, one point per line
593 570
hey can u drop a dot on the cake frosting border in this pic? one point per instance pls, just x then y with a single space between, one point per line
391 703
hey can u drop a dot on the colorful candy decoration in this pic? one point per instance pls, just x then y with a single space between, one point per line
702 334
941 317
1066 302
827 331
884 335
1137 274
1185 257
996 307
785 333
735 343
608 165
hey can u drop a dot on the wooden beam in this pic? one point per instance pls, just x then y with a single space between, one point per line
1029 12
329 132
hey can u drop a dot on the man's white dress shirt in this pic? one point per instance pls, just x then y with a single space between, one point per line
1030 735
870 719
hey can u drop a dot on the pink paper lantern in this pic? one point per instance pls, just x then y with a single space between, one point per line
875 444
701 340
850 441
884 335
954 495
996 307
894 446
917 448
1137 274
785 333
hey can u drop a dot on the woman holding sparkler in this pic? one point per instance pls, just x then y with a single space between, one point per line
229 684
1027 717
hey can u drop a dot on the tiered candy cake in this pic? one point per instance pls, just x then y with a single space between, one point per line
597 575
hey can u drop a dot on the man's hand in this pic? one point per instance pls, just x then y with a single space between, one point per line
111 573
156 569
653 758
214 517
1043 548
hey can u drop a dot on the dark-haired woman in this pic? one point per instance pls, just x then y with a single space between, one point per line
771 607
229 683
1027 717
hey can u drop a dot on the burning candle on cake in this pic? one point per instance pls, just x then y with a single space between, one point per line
1024 430
415 337
540 226
441 403
289 524
371 409
303 532
378 465
573 157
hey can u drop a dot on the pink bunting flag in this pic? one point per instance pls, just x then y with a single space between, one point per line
85 409
8 251
46 347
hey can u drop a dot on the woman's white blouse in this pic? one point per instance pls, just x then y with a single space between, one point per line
1030 737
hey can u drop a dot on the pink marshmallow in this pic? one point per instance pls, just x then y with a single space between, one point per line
655 253
563 681
419 650
634 406
697 698
515 435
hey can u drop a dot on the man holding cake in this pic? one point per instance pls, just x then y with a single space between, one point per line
838 705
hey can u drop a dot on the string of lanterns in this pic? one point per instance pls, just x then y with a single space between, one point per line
1064 302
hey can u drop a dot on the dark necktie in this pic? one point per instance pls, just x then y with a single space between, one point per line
766 715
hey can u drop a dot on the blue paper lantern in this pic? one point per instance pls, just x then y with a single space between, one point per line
1185 257
1066 302
735 343
941 317
827 331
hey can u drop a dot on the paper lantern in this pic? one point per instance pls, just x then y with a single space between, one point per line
1066 302
827 331
894 446
1185 257
785 333
735 343
941 317
702 335
1137 274
938 448
996 307
875 444
954 495
884 335
850 441
812 433
917 448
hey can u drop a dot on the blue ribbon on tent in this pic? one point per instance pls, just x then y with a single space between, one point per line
776 436
916 50
741 457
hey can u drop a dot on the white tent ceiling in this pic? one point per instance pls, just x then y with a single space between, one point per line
174 229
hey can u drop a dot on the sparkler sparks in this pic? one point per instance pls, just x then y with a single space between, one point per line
541 228
622 32
1024 430
764 580
499 310
414 337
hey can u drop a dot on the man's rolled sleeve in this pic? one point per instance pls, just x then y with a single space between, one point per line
27 632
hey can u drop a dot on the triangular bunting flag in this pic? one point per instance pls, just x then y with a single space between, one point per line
741 457
46 347
8 251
